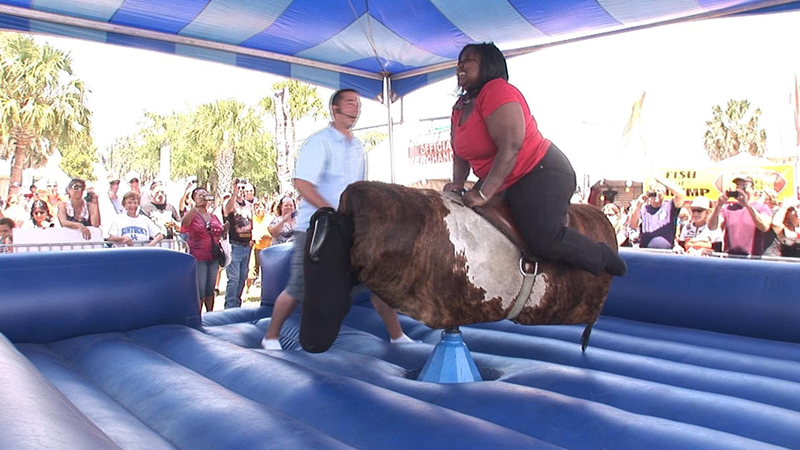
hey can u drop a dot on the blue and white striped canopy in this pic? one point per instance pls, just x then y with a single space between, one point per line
352 43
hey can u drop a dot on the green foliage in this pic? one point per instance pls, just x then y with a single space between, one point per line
78 161
214 142
734 131
304 100
371 139
292 100
42 103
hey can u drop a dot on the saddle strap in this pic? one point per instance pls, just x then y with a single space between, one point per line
528 280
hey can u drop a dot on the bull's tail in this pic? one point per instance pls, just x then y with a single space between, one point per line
328 281
587 332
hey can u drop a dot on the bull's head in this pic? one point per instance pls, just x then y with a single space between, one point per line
328 279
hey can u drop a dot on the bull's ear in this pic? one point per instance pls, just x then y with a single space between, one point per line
327 281
320 223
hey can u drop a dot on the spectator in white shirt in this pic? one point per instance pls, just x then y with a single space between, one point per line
131 227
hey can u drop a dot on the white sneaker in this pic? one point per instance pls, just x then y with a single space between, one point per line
271 344
402 340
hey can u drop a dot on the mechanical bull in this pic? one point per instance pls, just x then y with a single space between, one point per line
430 257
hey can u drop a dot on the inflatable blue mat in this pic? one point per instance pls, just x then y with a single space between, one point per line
109 351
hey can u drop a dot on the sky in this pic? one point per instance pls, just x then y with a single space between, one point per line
580 93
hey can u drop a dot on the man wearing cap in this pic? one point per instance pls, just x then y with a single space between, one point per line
655 218
743 223
163 214
134 179
695 236
110 204
113 197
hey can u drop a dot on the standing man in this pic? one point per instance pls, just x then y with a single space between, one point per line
250 194
743 223
113 197
53 198
695 237
238 215
329 161
110 204
163 214
134 182
658 219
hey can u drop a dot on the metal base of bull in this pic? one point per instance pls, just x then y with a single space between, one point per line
450 361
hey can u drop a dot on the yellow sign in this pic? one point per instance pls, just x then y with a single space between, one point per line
712 182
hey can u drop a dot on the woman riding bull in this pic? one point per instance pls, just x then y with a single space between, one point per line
494 133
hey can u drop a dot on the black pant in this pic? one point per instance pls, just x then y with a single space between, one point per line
539 204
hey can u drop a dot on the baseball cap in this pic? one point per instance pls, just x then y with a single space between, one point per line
131 175
701 202
742 177
112 176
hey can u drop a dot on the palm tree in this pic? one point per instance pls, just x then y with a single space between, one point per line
291 101
42 104
221 128
734 131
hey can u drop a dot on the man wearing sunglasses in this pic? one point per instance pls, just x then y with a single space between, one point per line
163 214
238 215
52 197
696 237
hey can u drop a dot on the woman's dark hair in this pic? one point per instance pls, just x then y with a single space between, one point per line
74 181
40 205
194 191
493 64
279 206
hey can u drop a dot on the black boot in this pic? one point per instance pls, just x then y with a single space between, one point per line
612 262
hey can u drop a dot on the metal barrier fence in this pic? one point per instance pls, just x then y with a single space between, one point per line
721 255
171 244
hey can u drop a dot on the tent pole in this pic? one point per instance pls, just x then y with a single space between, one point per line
387 97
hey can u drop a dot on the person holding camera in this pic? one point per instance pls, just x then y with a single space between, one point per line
655 218
77 212
203 229
743 223
238 213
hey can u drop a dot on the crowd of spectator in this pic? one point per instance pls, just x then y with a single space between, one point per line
741 221
241 223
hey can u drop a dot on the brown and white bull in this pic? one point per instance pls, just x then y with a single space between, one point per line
430 257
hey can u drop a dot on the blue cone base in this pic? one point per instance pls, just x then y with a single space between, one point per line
450 362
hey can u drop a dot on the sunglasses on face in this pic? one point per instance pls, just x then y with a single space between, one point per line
135 180
52 185
78 187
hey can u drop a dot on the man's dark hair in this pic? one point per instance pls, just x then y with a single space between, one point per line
493 63
7 222
337 94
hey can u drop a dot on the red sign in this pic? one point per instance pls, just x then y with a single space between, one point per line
430 153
